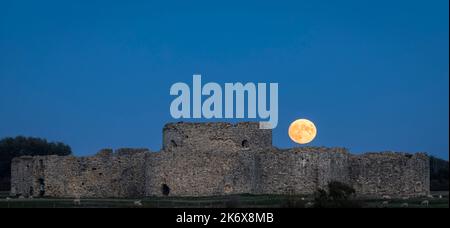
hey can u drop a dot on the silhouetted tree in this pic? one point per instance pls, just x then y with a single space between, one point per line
339 195
340 191
438 174
21 146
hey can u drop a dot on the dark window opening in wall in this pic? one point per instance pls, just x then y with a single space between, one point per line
82 183
31 192
245 144
165 190
100 174
173 143
41 187
41 163
93 169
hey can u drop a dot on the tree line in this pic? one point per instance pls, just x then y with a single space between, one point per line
438 174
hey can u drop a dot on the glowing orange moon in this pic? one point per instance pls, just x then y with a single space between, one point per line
302 131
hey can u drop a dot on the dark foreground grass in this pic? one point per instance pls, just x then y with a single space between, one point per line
236 201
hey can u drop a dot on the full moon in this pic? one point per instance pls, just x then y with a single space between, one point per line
302 131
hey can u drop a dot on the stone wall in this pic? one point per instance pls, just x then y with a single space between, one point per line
207 173
269 171
389 173
301 170
203 159
215 136
200 159
108 174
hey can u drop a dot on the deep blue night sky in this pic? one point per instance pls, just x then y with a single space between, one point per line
373 76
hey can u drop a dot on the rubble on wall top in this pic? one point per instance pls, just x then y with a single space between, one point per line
213 124
392 154
121 152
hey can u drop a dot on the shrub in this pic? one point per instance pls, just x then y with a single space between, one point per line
339 195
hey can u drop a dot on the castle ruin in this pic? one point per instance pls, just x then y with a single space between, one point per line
205 159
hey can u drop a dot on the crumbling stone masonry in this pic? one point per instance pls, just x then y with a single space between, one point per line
203 159
105 175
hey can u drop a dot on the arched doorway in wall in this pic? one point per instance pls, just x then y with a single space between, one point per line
31 191
41 187
165 190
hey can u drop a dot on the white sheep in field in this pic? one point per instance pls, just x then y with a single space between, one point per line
425 203
405 205
309 205
384 203
386 197
77 201
138 203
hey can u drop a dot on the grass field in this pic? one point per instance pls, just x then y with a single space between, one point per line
237 201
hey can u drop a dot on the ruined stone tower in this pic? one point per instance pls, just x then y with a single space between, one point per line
204 159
